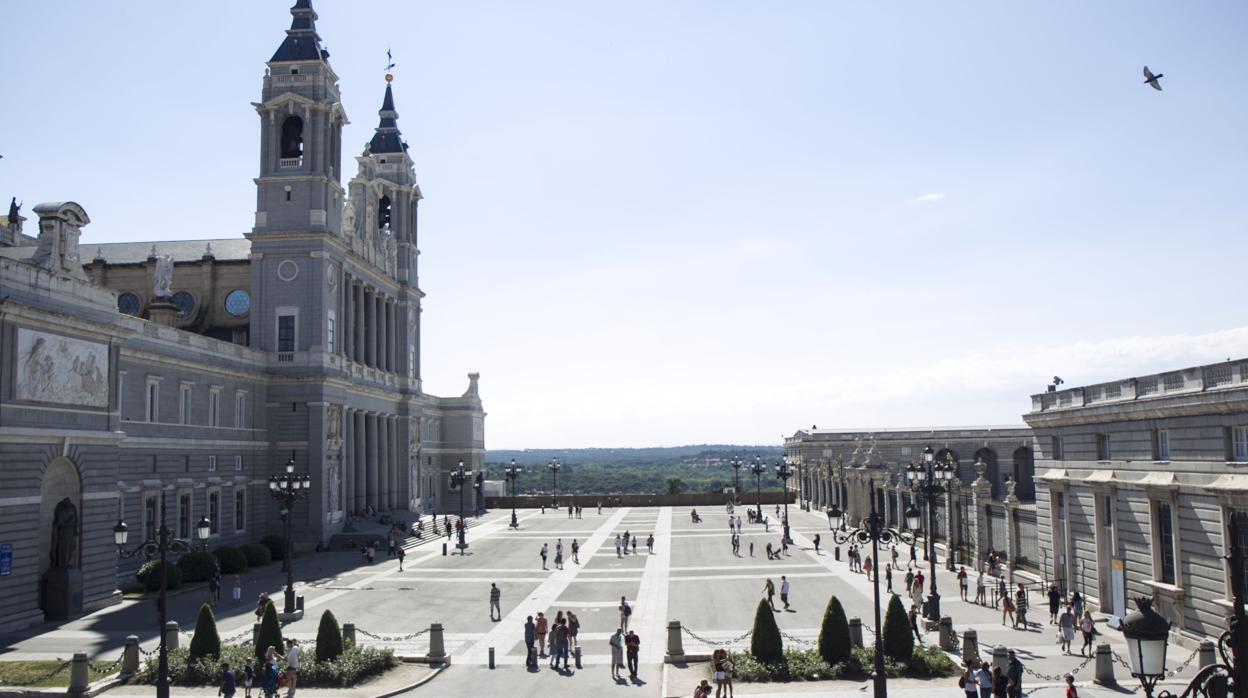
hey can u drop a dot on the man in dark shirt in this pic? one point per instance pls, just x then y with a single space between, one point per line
1014 671
632 646
530 637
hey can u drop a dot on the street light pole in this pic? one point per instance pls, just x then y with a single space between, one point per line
162 545
736 473
511 473
758 469
286 489
785 471
925 480
554 481
458 478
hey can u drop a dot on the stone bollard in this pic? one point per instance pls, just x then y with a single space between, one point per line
1208 653
970 647
948 641
130 656
675 647
437 649
838 553
348 634
1105 665
576 654
855 632
255 634
444 550
491 657
78 675
1000 658
171 635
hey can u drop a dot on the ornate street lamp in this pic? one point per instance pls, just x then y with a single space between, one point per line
926 480
758 469
784 471
736 463
554 466
287 489
163 544
874 531
458 478
512 472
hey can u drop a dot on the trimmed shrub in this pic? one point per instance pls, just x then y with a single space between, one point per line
205 642
197 566
834 643
149 575
898 642
270 632
328 638
257 555
231 559
355 665
276 545
765 644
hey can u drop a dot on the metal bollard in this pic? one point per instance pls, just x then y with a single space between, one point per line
348 634
1105 665
171 635
299 602
1000 658
576 653
444 550
970 647
675 648
948 641
130 656
78 675
437 649
855 632
1207 653
838 553
491 657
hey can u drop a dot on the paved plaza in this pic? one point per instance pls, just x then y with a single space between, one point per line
692 577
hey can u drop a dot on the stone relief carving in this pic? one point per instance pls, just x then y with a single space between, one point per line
162 277
348 218
59 369
413 436
333 427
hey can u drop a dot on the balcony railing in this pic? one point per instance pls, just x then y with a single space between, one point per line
288 163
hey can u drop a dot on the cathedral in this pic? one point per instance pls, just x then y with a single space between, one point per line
142 382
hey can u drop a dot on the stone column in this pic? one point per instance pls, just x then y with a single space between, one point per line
371 445
383 461
952 498
348 463
373 333
392 346
981 497
396 495
357 293
383 332
348 317
361 459
1011 535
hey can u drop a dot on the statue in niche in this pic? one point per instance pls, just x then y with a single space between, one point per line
333 426
348 218
64 534
162 278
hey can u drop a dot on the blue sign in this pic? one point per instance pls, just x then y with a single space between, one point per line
6 559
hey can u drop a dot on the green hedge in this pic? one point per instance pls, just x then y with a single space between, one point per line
898 641
328 638
276 545
205 642
806 665
834 642
231 559
149 575
270 633
353 666
197 566
257 555
765 643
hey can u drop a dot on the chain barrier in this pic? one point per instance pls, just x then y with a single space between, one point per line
1169 674
106 668
798 640
236 637
701 639
148 653
391 638
1057 678
39 679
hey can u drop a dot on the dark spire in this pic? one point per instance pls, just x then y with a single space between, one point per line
302 43
387 139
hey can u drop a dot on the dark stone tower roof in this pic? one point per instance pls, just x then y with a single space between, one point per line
302 43
387 139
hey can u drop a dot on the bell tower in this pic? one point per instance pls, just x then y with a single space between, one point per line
301 120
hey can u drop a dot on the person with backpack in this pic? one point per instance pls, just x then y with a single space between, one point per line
626 612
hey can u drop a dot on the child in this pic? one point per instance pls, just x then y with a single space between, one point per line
249 678
227 681
1071 691
238 589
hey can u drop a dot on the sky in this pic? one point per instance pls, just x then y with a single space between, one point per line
711 221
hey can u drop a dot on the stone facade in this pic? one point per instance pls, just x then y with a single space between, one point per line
300 341
1144 473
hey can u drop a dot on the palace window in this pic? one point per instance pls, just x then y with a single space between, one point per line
1161 444
1056 447
285 333
184 403
184 515
214 511
240 509
214 407
240 410
1237 444
151 514
1102 447
152 408
331 330
1164 557
212 464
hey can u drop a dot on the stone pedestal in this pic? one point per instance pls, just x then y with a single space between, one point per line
62 593
163 311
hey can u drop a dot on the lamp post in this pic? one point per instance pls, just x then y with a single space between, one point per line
874 531
512 472
925 480
784 471
458 478
758 469
554 466
163 544
288 488
736 463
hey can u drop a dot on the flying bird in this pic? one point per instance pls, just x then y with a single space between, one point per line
1152 80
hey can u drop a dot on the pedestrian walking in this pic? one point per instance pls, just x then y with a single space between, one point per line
627 535
963 581
1088 627
632 648
912 556
983 679
545 551
269 684
914 622
402 556
1071 691
530 637
751 548
769 588
227 687
559 641
1000 683
888 578
558 547
1055 601
980 589
214 582
650 543
634 545
816 543
238 589
496 596
542 626
292 667
738 522
909 580
249 677
617 653
867 567
574 628
1066 628
967 681
1007 610
894 553
784 591
576 550
626 612
618 543
1076 602
1014 672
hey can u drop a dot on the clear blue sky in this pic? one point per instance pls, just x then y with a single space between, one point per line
667 222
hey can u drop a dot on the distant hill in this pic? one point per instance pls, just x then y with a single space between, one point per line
611 456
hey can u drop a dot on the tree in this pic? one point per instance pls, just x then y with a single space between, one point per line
205 642
898 642
765 644
328 638
270 632
834 643
675 485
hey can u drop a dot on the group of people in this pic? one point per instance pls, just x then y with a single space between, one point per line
623 543
986 681
545 553
1070 615
537 633
769 588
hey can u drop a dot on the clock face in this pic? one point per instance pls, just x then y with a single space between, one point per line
184 302
238 303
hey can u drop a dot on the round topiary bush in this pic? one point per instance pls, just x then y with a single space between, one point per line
197 566
276 545
766 645
231 559
834 642
205 642
149 575
897 640
328 638
257 555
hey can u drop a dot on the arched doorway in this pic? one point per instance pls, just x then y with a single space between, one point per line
60 540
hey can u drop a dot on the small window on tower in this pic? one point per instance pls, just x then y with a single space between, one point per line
292 137
383 213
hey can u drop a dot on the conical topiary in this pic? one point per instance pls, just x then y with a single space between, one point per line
270 632
898 642
205 642
765 644
834 643
328 638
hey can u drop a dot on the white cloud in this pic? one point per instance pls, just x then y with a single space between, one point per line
928 198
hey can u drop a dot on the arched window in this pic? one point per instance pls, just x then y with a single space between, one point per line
292 137
383 213
1025 474
992 474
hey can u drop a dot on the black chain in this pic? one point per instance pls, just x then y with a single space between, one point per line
106 669
1169 674
392 638
1058 677
701 639
798 640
